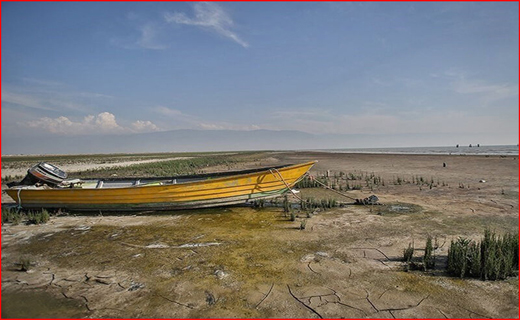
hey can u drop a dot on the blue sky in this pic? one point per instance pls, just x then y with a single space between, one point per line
98 68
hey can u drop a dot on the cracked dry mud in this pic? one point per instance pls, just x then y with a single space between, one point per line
248 263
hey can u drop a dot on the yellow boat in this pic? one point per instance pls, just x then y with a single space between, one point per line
183 192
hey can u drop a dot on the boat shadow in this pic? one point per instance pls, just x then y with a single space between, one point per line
178 212
59 212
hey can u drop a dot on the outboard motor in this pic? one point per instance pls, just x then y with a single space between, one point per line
43 172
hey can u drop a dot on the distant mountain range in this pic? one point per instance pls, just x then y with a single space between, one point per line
213 140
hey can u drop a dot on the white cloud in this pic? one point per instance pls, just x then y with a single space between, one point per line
24 100
488 92
492 91
168 111
194 122
211 16
145 35
103 123
58 125
144 126
107 121
147 39
50 96
178 116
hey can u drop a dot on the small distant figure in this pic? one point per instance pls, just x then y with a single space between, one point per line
444 164
457 145
470 145
478 145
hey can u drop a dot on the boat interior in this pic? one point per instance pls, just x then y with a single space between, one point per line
111 183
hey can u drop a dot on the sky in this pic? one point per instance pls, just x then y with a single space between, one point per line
397 68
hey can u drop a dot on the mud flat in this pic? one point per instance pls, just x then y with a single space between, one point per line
249 263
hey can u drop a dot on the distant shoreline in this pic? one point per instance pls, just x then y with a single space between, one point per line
494 150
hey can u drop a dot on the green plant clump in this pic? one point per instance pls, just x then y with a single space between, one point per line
15 216
11 215
429 258
38 217
408 255
310 204
493 258
25 264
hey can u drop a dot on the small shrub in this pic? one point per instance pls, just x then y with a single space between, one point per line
11 215
493 258
408 255
38 217
428 259
458 257
25 264
286 204
45 216
474 260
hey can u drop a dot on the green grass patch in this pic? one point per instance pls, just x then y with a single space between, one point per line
171 168
492 258
15 216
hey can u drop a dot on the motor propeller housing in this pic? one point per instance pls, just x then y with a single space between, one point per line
44 173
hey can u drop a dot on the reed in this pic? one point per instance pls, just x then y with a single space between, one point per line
408 256
11 215
310 204
429 257
492 258
286 204
342 181
15 216
38 217
307 182
457 257
25 263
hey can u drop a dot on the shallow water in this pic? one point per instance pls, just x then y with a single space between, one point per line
39 304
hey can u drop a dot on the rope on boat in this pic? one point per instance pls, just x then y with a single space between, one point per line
282 180
327 187
371 200
19 199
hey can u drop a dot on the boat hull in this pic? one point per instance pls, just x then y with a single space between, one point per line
221 191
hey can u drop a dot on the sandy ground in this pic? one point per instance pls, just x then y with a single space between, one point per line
249 263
